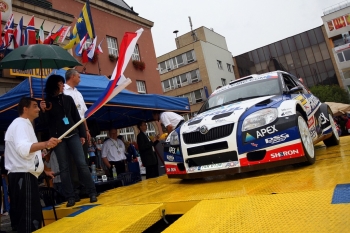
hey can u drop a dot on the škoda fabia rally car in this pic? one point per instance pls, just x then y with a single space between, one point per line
255 122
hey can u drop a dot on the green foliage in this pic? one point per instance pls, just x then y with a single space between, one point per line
330 93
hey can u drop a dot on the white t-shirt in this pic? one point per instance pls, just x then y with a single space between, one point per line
77 97
113 150
170 118
19 138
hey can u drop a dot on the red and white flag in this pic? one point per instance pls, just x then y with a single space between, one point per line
29 33
126 50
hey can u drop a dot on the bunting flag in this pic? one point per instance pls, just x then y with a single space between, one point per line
91 49
29 33
71 43
18 34
40 37
8 31
57 34
127 47
80 46
48 38
99 49
62 37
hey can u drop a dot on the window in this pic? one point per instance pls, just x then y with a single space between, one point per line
184 80
194 76
179 60
112 46
151 131
189 97
141 86
128 134
189 56
219 64
229 67
198 96
223 82
136 54
168 85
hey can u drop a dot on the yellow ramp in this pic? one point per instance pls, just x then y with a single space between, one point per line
118 218
310 211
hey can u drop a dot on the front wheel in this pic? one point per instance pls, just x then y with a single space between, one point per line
334 139
306 139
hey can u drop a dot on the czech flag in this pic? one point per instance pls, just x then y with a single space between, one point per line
126 50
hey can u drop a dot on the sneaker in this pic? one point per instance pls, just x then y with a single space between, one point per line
71 202
93 198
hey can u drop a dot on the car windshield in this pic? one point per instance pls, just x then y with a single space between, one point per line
247 89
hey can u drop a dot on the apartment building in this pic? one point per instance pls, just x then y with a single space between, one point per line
336 20
200 63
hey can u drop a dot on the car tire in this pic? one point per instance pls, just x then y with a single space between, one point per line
334 139
306 139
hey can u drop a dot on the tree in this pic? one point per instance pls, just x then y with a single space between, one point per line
331 93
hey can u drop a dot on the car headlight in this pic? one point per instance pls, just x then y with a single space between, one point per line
174 139
259 118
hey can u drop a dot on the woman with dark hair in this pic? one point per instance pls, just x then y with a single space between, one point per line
61 116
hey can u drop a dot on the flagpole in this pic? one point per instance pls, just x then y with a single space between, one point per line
98 65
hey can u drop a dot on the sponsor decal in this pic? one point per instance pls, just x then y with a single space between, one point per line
302 99
192 169
220 120
231 164
311 121
313 132
211 166
276 139
322 119
284 153
253 144
171 169
287 113
172 150
313 101
268 130
170 158
249 137
224 109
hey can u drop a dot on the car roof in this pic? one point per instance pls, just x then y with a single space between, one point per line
256 75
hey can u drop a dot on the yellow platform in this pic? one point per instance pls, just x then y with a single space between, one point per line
286 199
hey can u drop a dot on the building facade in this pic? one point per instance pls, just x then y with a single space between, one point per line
111 20
336 21
306 55
200 63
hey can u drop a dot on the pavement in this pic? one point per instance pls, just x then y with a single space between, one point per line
6 224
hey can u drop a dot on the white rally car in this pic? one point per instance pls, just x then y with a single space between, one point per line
255 122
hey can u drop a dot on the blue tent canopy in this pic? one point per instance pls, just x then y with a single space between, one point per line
125 109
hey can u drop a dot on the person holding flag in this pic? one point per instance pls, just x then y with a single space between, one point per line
62 115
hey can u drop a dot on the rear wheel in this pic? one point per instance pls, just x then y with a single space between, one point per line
306 139
334 139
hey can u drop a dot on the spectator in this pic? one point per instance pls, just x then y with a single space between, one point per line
24 163
52 163
147 153
92 155
98 154
113 153
169 119
62 115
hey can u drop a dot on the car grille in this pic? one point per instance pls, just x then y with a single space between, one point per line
213 134
213 159
207 148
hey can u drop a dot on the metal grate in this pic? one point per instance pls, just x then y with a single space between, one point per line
213 134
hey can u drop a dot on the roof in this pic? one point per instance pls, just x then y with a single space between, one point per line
120 4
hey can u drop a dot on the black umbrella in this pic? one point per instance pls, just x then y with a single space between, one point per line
38 56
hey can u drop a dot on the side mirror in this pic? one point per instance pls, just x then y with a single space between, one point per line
295 89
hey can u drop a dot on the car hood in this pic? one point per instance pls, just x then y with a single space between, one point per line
225 114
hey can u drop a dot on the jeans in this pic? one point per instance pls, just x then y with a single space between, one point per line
6 199
71 147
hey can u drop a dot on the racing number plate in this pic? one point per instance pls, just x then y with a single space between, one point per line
211 166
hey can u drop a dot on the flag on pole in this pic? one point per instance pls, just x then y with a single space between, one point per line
18 34
8 31
63 35
99 49
84 23
126 50
40 37
80 46
48 38
91 49
29 33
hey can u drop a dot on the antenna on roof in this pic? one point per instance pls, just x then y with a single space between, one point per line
193 33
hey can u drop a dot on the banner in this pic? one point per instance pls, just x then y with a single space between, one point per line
339 22
31 72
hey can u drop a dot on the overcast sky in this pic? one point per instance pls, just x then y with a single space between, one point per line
246 24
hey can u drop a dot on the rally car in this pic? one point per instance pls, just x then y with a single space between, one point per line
255 122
